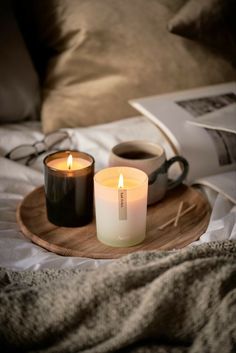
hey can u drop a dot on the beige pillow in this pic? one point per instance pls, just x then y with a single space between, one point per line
107 52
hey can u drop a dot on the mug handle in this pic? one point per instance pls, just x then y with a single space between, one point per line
173 183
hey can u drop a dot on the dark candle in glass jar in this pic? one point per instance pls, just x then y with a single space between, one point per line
68 179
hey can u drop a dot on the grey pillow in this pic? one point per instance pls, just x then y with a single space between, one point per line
19 88
210 21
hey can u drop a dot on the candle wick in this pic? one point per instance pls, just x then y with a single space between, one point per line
69 162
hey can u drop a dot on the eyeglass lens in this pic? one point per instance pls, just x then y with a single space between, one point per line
22 151
54 138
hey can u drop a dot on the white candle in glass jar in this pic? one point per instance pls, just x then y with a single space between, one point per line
121 206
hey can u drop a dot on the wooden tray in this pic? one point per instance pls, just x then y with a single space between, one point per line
31 216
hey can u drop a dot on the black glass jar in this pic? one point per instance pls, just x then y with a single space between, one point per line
68 179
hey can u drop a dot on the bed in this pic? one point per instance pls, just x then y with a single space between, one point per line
53 303
17 180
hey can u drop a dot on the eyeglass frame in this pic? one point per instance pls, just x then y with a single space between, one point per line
37 152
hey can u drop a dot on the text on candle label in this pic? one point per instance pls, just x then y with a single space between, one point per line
122 204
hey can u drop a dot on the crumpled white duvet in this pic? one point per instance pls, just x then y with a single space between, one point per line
16 180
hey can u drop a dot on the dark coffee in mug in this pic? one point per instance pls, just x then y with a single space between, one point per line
138 154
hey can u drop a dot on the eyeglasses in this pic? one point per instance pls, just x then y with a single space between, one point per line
31 152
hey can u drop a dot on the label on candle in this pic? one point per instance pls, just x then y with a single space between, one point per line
122 204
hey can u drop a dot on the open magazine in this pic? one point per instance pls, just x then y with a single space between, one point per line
200 124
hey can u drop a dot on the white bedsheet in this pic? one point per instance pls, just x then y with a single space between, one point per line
16 180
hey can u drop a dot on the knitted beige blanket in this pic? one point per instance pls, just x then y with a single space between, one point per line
178 301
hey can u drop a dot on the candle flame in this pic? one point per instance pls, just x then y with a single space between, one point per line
69 161
121 181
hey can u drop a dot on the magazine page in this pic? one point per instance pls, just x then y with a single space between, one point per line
206 150
223 119
224 183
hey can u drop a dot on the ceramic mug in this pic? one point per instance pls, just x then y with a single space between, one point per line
151 158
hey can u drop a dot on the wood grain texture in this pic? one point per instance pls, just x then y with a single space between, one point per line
82 242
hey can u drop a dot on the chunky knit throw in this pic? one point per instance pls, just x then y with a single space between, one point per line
177 301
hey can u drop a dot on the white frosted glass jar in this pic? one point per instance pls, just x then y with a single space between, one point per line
121 209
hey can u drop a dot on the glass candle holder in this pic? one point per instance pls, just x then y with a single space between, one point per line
121 206
68 179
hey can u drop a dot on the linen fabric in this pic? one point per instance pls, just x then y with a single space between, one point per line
103 53
19 88
162 302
